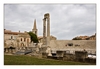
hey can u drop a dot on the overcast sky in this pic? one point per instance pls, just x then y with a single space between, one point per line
66 20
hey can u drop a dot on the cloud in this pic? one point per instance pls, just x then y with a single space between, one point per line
66 20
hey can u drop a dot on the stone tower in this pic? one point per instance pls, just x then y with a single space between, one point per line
34 30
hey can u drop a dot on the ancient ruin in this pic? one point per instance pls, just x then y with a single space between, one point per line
46 34
18 43
46 30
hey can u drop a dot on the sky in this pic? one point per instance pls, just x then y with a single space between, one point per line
66 20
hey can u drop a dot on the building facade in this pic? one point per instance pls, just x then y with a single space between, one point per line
16 39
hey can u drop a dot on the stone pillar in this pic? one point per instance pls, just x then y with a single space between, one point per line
48 51
48 31
46 36
44 31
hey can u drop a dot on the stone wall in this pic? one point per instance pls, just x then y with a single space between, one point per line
73 45
81 55
69 57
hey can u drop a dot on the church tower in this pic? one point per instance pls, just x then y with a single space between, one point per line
34 30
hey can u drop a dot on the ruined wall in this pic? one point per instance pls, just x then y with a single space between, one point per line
73 45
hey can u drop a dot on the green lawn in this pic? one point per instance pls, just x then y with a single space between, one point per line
30 60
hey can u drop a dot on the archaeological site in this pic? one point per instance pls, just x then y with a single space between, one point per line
49 47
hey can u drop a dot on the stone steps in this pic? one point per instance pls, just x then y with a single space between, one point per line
83 44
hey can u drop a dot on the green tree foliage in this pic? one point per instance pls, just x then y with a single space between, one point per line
33 37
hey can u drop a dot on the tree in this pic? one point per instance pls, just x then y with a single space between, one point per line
33 37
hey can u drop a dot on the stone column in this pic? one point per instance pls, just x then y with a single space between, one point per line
48 31
44 31
46 36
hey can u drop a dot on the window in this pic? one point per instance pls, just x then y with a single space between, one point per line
70 44
11 37
77 45
21 39
24 39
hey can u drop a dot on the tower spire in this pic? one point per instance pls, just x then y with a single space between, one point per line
34 30
34 27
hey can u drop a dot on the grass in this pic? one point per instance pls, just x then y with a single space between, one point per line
30 60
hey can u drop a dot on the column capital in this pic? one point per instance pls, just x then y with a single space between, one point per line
46 15
44 19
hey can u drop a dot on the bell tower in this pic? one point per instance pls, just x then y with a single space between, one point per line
34 30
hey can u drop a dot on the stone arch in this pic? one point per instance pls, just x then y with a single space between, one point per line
22 44
21 39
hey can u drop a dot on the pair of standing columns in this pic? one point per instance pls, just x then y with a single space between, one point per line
46 33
